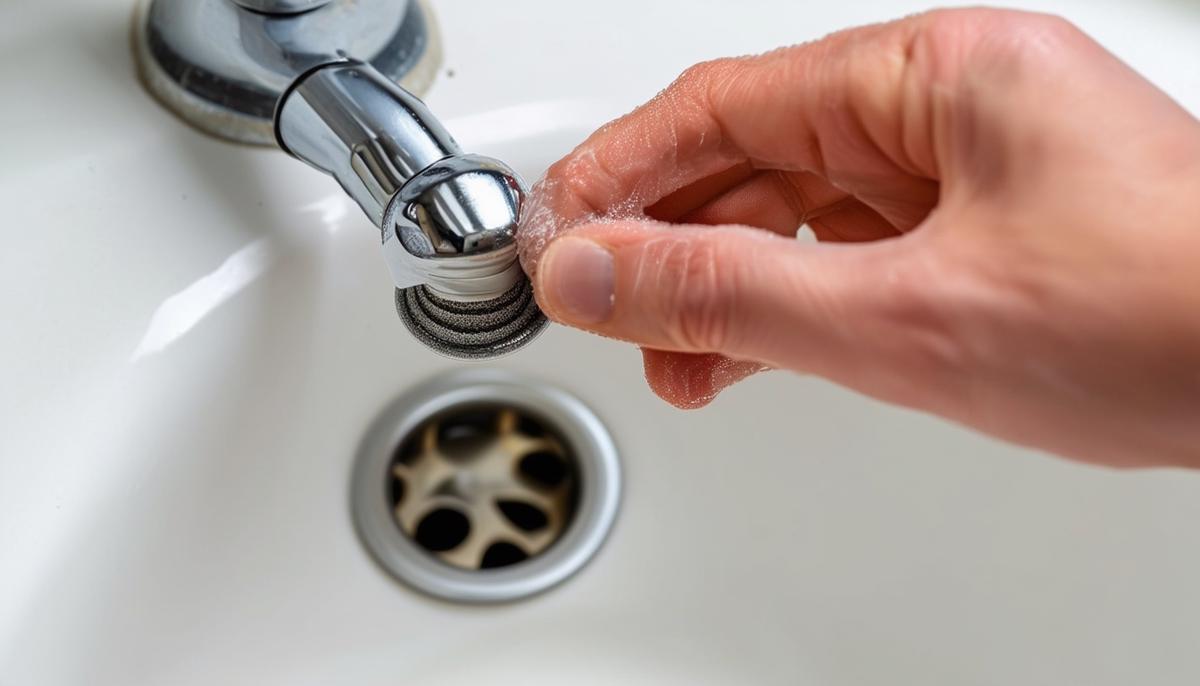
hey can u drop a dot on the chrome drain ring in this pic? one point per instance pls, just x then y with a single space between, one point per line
596 486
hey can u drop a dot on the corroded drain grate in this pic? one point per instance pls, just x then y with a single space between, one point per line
481 486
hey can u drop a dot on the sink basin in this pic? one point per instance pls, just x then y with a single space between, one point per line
197 335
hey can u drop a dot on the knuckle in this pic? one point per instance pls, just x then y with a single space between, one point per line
700 79
1033 37
588 181
1004 34
1054 26
582 182
703 72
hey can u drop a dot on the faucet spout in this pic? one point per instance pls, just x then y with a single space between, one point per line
447 219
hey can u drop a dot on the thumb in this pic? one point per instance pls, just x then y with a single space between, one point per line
743 292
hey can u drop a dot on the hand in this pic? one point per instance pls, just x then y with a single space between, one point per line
1010 218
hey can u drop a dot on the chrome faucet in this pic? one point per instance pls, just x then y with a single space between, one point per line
319 79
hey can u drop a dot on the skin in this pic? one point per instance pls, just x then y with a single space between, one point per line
1009 220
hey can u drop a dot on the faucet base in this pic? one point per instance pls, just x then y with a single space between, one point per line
193 58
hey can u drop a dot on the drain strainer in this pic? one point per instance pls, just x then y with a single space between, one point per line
481 486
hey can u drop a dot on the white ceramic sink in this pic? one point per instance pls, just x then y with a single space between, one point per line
195 336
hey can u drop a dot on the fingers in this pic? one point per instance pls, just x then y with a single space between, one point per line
850 134
776 201
747 294
731 112
680 203
855 109
852 223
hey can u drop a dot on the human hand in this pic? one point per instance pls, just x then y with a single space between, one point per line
1010 218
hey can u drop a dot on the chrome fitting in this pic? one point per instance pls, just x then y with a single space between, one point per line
448 219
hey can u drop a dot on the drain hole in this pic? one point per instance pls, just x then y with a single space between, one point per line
464 434
531 427
523 515
442 529
502 554
408 450
544 468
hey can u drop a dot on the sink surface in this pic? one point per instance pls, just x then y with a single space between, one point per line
197 334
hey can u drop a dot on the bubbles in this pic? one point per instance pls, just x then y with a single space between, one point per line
626 166
553 207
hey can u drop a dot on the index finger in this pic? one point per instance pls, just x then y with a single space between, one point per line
840 107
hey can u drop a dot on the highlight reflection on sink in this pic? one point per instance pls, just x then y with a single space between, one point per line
183 400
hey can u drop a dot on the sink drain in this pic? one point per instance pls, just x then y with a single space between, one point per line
481 486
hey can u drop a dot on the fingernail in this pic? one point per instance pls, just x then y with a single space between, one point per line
577 276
